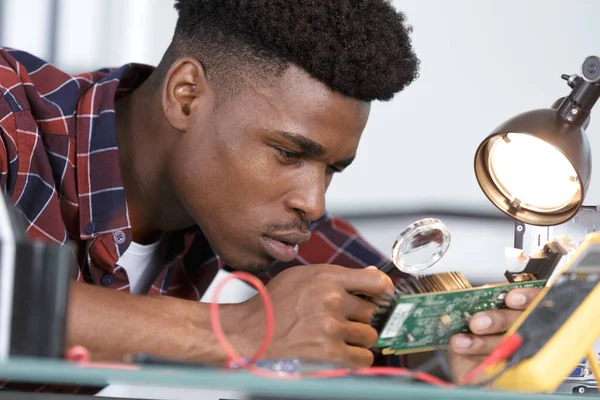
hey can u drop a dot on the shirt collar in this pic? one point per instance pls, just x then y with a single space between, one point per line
102 205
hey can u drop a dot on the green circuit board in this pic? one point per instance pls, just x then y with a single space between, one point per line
423 322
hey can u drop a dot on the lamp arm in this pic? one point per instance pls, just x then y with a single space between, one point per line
575 109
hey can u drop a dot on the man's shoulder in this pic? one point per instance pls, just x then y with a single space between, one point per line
31 84
348 247
40 116
20 69
330 224
19 62
28 66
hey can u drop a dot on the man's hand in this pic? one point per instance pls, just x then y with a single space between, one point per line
467 351
318 315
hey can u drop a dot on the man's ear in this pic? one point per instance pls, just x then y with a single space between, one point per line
185 87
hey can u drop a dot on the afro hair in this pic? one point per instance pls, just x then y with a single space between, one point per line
359 48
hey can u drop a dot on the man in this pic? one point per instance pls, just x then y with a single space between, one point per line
219 157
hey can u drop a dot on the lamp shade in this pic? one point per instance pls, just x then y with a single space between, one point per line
535 167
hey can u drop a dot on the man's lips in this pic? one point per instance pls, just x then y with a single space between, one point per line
283 246
293 238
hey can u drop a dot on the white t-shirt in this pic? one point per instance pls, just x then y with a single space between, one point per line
138 262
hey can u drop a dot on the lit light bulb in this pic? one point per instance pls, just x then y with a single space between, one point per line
532 173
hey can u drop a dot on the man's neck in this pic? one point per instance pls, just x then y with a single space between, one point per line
151 205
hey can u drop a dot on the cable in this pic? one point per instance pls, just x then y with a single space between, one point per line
216 321
381 371
440 357
490 379
428 366
421 376
439 362
78 354
500 353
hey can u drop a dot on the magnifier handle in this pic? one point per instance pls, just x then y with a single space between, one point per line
386 269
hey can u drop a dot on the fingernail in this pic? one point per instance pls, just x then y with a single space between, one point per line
481 322
462 342
517 299
387 298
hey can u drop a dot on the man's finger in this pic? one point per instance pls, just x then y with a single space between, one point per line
370 282
475 345
357 309
493 321
361 335
519 299
359 357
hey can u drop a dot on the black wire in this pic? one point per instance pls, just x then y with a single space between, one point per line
428 366
440 356
492 378
509 364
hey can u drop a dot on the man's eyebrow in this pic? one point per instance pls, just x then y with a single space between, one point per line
312 148
308 146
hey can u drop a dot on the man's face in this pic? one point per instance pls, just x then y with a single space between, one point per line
253 170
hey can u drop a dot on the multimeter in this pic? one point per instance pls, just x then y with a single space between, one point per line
559 328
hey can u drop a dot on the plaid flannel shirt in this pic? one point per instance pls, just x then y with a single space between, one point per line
59 166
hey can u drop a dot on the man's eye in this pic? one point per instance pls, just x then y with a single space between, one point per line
289 156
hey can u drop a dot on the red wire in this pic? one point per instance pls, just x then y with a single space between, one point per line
81 356
342 372
249 365
503 351
216 321
385 371
78 354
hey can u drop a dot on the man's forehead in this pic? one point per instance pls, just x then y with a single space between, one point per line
301 97
303 110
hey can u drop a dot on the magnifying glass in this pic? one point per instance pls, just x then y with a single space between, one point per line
419 246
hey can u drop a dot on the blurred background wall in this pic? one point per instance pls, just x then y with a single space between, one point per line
482 61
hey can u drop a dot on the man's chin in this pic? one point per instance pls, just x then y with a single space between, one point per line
259 269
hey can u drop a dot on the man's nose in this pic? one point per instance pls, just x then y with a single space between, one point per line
309 201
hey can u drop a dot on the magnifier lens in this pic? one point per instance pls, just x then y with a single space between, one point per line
420 245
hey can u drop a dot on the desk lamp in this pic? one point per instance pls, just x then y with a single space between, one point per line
536 166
